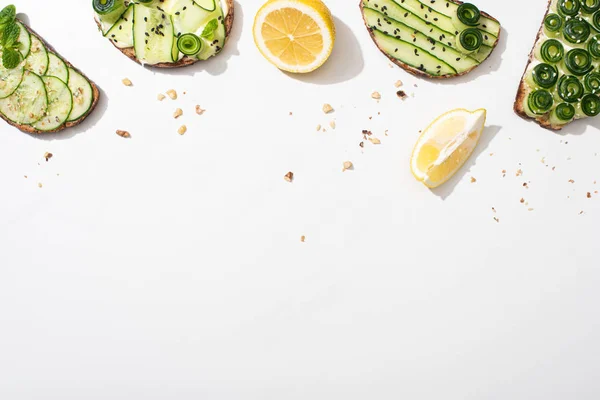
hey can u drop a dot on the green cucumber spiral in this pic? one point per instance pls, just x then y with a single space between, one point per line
590 105
593 46
578 61
470 40
564 112
570 89
590 6
596 20
552 51
189 44
568 8
592 82
545 75
576 30
468 14
104 7
553 23
540 101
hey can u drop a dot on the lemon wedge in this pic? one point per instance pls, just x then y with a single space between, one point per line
445 145
294 35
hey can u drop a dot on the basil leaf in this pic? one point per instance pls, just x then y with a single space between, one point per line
8 14
210 28
10 58
10 34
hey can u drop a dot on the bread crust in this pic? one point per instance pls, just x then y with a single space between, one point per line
185 61
542 120
418 72
95 90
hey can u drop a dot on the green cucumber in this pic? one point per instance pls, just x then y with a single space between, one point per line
37 61
188 17
449 8
60 103
454 59
153 36
83 95
57 67
121 33
108 12
214 44
10 79
29 103
208 5
24 40
407 53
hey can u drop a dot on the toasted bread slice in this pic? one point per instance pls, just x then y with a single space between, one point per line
185 61
67 124
424 5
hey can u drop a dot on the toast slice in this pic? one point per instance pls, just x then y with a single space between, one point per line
421 36
75 95
185 60
561 67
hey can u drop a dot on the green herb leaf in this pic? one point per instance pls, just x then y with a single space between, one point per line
8 14
210 28
10 34
10 58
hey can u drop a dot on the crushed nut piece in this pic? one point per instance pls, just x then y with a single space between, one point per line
374 140
178 113
589 195
302 238
327 108
160 97
289 176
123 134
40 185
366 133
347 165
362 144
519 172
473 180
571 181
398 83
319 127
332 124
47 156
127 82
376 95
401 94
182 130
522 200
200 110
172 94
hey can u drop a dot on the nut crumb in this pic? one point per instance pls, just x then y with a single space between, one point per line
172 94
497 219
522 200
473 180
160 97
178 113
589 195
123 134
127 82
319 127
332 124
401 94
376 95
571 181
289 176
47 156
182 130
519 172
40 185
327 108
200 110
374 140
302 238
398 83
348 165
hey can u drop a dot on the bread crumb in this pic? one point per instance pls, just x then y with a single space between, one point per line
374 140
401 94
589 195
178 113
47 156
398 83
571 181
127 82
289 176
519 172
473 180
327 108
199 110
160 97
348 165
332 124
123 134
376 95
172 94
522 200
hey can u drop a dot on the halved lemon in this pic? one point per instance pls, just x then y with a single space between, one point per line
295 35
445 145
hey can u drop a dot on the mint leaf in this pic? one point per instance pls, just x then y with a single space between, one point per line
10 58
210 28
8 14
10 34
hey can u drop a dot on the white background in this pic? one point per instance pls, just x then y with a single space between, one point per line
171 267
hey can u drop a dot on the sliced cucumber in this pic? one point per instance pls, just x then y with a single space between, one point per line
29 103
24 40
37 60
121 33
153 35
10 79
57 67
459 62
188 17
83 95
108 12
412 55
449 8
208 5
60 103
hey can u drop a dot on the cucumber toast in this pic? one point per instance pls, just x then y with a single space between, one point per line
561 82
435 39
165 33
39 90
